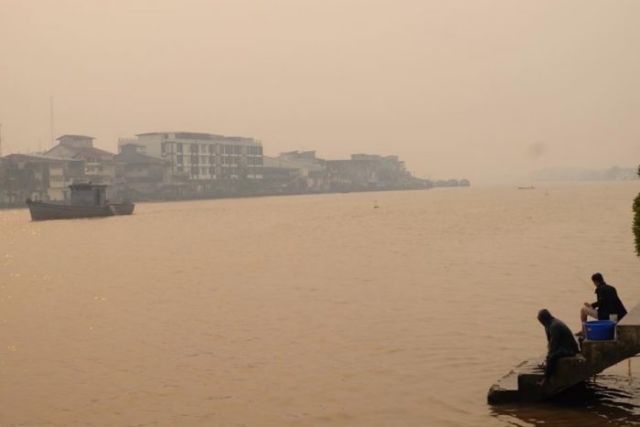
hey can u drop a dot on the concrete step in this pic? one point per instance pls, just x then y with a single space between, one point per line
522 383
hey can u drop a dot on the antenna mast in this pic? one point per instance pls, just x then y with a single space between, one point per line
51 120
0 139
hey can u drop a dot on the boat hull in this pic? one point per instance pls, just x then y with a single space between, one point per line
41 211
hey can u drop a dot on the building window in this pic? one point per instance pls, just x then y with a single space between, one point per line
179 147
194 171
179 160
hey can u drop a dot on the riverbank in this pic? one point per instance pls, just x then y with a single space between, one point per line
223 195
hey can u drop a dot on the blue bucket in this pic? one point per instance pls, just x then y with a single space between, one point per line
600 330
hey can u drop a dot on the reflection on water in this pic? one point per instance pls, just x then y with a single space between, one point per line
610 400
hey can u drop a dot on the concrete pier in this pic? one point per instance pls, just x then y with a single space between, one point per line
521 384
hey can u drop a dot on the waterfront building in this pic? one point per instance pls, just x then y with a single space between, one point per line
369 172
302 170
99 164
37 177
139 176
281 177
203 156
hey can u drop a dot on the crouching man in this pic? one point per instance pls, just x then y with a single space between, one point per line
560 342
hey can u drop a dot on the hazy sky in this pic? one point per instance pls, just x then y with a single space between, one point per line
478 89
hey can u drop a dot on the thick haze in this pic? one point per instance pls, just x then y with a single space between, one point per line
488 90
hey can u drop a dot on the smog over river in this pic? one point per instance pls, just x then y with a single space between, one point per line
319 213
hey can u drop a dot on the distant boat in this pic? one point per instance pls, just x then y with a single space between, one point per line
87 201
531 187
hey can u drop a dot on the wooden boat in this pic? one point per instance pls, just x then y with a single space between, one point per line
87 201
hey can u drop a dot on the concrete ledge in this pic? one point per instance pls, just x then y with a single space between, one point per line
521 384
632 318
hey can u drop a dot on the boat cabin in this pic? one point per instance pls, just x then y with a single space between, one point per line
88 194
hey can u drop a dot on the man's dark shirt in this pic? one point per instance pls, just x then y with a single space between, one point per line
561 344
608 302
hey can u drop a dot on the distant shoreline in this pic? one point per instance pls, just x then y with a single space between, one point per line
248 196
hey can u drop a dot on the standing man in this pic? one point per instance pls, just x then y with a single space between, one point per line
608 302
560 340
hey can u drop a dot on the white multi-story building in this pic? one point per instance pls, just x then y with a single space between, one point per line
203 156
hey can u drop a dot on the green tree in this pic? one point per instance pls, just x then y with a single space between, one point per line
636 220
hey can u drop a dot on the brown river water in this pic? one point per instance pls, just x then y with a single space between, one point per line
309 310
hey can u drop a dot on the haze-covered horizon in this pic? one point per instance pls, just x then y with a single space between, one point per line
487 90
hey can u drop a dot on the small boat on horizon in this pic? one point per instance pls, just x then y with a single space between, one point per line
87 201
530 187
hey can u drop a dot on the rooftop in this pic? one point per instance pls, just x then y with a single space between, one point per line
74 137
201 136
80 152
184 135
